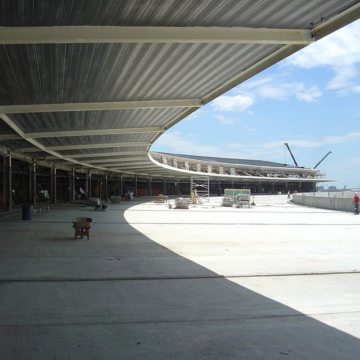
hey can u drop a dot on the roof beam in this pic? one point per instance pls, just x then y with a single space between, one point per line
4 137
165 171
21 134
336 22
114 105
87 146
136 166
121 166
116 160
156 171
70 133
151 34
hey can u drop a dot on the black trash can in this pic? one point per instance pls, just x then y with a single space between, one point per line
27 212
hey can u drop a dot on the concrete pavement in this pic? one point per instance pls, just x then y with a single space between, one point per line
271 282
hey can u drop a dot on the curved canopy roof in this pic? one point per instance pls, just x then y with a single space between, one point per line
229 161
95 83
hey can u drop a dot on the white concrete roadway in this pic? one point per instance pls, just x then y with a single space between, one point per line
275 281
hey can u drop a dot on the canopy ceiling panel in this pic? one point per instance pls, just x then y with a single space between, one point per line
79 120
248 13
94 152
5 129
68 73
120 159
95 81
90 140
15 144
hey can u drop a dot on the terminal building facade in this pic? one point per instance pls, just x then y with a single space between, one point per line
24 180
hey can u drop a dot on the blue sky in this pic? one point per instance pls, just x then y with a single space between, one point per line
310 100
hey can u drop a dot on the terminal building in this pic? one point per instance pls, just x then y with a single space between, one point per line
26 180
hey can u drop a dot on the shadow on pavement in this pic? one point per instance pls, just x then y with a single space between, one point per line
123 296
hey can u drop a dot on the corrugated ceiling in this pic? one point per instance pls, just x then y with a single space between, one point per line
228 13
92 73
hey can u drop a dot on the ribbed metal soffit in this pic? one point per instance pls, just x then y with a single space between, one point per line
95 82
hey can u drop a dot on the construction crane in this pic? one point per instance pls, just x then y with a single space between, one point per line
322 160
288 147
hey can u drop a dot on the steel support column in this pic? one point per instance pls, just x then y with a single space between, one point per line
4 183
53 185
87 183
8 182
164 186
33 189
72 186
106 187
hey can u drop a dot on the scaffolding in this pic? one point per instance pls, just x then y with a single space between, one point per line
199 189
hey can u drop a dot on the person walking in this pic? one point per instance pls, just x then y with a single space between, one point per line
356 203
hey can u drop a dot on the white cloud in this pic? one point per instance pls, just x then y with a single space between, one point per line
345 171
280 90
248 129
236 146
176 142
192 117
341 48
224 120
340 51
275 91
344 78
327 140
264 88
237 103
257 83
309 94
285 90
